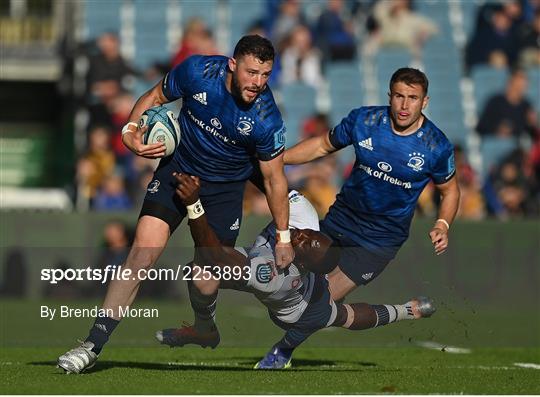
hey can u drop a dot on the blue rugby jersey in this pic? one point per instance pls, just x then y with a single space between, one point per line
220 134
376 204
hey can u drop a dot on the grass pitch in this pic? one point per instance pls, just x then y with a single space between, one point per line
385 360
315 371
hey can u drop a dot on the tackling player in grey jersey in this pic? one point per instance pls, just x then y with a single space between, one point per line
297 298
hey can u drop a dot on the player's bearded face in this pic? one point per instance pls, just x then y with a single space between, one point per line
406 105
249 77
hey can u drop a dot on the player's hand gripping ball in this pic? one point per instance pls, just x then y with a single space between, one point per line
162 128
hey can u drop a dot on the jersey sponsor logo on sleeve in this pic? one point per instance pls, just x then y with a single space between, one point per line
201 97
279 138
263 273
245 125
416 161
451 163
366 144
451 167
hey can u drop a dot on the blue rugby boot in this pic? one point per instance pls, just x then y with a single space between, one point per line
275 359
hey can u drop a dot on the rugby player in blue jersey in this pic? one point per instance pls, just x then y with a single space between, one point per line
398 152
228 118
298 300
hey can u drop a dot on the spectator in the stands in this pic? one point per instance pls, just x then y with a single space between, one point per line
400 27
289 17
510 185
300 61
472 204
108 71
15 274
142 171
112 195
494 41
534 172
109 77
320 188
197 39
315 125
96 164
116 240
119 110
64 290
529 43
334 34
509 113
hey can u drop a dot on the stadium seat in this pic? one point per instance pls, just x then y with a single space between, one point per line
298 104
151 40
102 18
242 15
487 82
346 88
493 151
346 93
387 61
205 10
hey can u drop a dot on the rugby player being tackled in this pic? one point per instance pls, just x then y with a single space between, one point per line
298 297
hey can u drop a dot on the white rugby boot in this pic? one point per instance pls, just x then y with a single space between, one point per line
79 359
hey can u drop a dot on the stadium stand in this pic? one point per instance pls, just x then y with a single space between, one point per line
346 88
151 31
487 81
298 101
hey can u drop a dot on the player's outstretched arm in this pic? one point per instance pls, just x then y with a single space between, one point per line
450 194
309 150
132 134
276 188
208 244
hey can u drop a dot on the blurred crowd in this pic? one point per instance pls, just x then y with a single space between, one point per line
506 35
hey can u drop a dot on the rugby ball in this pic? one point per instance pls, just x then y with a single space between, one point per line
162 128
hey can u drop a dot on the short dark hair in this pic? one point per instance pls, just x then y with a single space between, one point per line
410 76
255 45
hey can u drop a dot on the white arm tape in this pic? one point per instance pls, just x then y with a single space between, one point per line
195 210
125 129
443 221
283 236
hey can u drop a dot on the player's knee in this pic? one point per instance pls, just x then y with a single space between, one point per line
206 287
339 284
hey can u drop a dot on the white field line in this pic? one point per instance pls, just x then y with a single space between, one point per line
445 348
527 365
516 367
